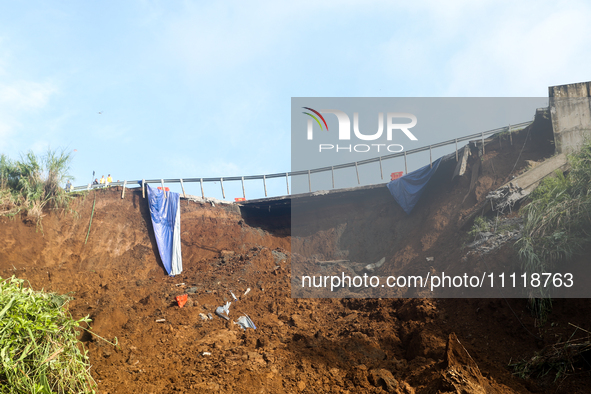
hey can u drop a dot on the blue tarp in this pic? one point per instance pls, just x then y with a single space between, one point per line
166 221
408 189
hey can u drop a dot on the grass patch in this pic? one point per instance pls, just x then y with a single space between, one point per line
558 359
39 349
33 182
481 225
557 221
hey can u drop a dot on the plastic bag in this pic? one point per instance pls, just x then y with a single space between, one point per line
182 300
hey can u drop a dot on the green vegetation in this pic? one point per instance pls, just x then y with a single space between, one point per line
481 225
33 182
558 219
559 359
557 222
39 352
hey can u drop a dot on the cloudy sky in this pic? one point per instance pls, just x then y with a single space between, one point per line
152 89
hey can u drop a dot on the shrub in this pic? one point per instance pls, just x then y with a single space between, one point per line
557 221
39 351
481 225
33 182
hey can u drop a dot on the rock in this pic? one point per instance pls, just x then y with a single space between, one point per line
301 385
384 379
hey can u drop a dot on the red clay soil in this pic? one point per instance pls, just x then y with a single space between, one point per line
344 345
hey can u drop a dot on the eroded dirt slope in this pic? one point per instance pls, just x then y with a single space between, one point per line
300 345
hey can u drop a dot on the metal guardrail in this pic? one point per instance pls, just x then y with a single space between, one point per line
142 182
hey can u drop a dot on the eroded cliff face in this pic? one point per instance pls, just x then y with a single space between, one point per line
339 345
345 231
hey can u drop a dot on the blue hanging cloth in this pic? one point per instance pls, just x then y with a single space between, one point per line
166 221
408 189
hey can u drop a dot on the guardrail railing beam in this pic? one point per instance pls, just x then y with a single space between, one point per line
309 172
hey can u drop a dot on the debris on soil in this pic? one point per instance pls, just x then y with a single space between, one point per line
505 198
224 311
233 296
507 230
244 322
182 300
378 264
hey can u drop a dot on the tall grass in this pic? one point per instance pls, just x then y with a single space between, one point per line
557 221
33 182
39 350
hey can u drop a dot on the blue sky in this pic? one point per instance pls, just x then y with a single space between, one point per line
203 89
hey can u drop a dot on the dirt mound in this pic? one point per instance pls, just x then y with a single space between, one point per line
343 345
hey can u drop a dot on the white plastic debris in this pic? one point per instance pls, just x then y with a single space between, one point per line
378 264
223 311
203 316
247 291
179 284
234 297
160 320
210 316
206 354
430 258
245 322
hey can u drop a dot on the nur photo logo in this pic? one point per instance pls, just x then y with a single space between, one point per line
393 124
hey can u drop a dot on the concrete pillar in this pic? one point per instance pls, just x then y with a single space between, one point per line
570 109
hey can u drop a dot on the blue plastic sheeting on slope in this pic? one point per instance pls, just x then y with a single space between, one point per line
166 221
408 189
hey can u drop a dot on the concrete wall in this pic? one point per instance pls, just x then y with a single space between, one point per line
570 108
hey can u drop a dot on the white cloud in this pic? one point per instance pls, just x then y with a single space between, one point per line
523 51
518 49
